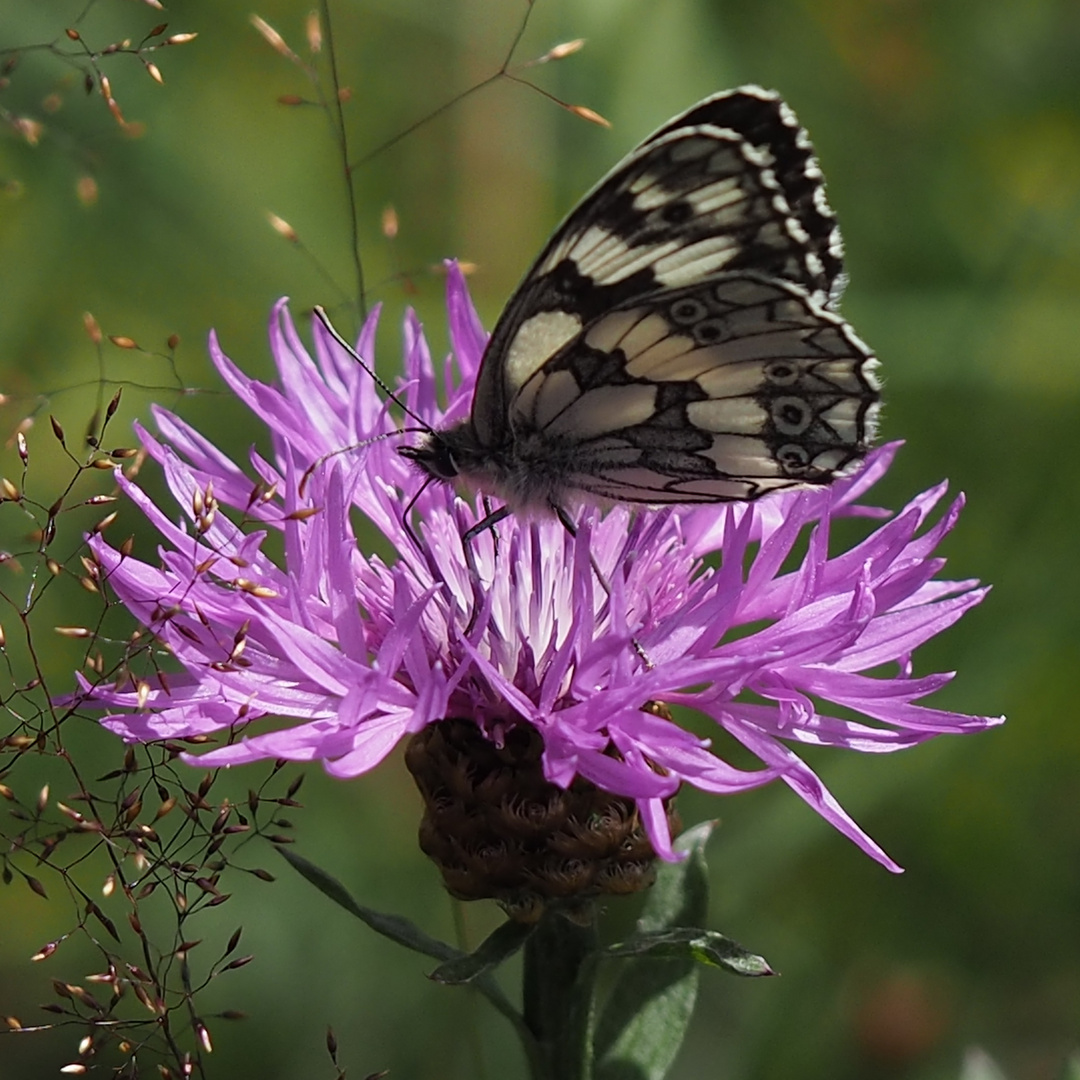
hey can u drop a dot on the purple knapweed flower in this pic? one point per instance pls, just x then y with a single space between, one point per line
332 654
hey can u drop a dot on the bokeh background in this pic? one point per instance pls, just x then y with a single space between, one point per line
949 134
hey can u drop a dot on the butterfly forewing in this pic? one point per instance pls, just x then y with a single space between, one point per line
731 184
767 124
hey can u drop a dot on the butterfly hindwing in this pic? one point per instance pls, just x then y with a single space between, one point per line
726 389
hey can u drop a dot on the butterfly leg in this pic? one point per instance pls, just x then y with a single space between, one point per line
490 519
406 517
568 524
488 512
466 543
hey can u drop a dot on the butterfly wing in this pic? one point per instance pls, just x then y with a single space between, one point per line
767 124
730 185
726 389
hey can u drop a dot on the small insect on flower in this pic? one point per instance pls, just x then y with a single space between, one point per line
676 341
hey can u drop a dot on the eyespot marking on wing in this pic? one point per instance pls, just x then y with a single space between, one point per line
791 415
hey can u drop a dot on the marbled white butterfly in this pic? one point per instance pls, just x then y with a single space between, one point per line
676 340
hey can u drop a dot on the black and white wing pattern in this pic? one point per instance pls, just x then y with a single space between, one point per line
727 389
676 341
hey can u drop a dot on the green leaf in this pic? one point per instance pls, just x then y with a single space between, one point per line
705 946
394 927
680 894
498 946
645 1018
404 932
655 1003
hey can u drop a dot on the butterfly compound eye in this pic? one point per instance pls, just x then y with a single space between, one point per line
434 457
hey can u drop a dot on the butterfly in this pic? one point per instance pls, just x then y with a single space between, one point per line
676 341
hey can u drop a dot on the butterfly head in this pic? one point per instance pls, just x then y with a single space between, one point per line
522 474
434 456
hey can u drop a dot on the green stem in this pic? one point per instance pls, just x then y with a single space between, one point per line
558 983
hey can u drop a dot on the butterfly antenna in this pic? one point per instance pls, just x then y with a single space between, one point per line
309 471
321 315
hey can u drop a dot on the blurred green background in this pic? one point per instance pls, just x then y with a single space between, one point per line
949 134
